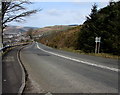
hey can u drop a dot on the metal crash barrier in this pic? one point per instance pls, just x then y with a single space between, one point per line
11 45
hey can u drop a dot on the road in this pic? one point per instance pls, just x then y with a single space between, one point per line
11 72
58 71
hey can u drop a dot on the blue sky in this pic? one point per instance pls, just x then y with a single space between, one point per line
59 13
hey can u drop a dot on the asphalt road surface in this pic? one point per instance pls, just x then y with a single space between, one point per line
11 72
58 71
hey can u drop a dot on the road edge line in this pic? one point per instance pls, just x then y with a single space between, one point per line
84 62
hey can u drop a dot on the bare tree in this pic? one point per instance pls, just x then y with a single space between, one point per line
14 11
30 33
0 26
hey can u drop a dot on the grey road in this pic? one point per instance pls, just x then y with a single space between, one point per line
58 71
11 72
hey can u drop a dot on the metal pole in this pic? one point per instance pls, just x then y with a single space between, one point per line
96 48
99 47
99 44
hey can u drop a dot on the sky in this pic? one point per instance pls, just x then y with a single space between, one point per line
58 13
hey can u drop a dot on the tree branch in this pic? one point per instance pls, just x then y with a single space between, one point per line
28 13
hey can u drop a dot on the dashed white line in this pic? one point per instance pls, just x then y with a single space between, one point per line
88 63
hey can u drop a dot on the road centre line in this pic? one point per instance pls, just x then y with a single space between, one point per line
85 62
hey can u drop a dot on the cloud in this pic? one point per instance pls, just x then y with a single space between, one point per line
54 12
59 14
55 17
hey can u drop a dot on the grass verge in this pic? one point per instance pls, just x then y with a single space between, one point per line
105 55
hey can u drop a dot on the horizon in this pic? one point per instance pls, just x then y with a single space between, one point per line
43 27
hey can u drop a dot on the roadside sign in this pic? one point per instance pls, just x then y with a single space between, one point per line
97 46
97 39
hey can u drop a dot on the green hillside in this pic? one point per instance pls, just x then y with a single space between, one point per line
104 23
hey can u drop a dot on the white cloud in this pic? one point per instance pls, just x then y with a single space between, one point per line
54 12
59 15
55 17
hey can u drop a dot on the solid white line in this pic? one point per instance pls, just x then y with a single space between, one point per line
28 46
88 63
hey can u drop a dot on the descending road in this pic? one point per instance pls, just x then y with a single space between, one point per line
11 72
64 72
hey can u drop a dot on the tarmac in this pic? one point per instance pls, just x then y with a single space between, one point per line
12 72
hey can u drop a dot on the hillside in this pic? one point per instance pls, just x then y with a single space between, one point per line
66 38
17 29
51 29
104 23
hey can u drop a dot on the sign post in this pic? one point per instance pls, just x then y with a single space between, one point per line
97 46
96 39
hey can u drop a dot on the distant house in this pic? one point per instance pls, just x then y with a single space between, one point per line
13 37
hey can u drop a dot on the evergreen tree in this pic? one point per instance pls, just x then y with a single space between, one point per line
103 23
88 31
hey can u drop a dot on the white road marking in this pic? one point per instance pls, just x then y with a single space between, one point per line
88 63
28 46
48 93
4 80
